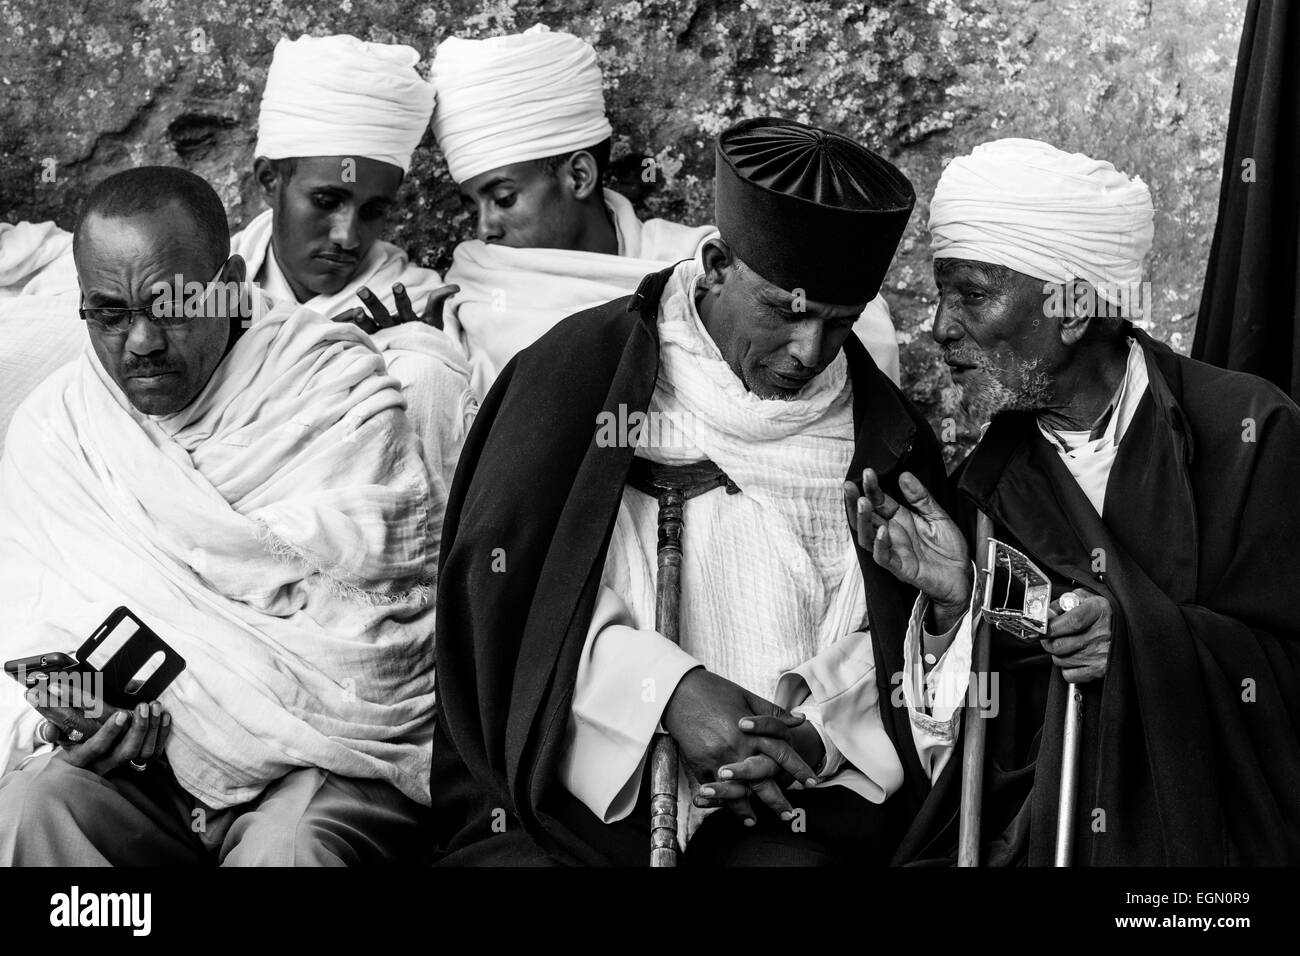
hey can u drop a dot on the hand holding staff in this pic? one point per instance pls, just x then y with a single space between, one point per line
1079 642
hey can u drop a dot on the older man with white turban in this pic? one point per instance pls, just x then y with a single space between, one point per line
521 120
1153 492
340 119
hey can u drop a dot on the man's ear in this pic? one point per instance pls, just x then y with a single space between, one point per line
236 269
235 272
583 175
264 173
1080 307
718 259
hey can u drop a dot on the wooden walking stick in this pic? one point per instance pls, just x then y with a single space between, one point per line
976 736
671 486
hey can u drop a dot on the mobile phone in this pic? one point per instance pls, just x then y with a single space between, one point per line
125 661
29 671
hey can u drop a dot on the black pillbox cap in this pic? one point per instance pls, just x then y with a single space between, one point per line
810 209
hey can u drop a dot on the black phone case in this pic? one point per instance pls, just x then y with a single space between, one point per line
126 663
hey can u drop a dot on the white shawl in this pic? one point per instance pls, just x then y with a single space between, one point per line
275 532
794 587
774 596
509 298
430 365
384 264
39 327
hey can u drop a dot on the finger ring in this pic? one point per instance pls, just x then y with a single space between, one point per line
1069 601
48 732
75 736
138 766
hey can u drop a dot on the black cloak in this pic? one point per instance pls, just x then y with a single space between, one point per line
1190 752
535 491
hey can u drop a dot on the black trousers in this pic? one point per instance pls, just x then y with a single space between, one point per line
833 826
836 828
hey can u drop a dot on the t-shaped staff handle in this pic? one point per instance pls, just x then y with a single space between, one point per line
671 486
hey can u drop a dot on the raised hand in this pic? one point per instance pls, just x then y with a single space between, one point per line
374 316
919 544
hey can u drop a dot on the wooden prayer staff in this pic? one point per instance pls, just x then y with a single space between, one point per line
663 752
976 729
671 486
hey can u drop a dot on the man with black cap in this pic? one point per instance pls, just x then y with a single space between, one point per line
552 677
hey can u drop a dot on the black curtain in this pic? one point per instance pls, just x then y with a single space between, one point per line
1250 307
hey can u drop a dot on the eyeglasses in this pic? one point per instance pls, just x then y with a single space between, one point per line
168 310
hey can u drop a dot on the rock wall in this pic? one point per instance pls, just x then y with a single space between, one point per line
89 88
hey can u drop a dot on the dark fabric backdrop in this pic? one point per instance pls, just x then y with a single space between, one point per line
1249 317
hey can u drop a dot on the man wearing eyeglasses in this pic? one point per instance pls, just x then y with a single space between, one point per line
254 492
160 355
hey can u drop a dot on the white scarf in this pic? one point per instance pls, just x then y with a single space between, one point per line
384 264
791 585
509 297
1090 460
428 362
274 532
39 326
30 249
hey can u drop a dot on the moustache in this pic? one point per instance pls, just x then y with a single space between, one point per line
145 369
964 356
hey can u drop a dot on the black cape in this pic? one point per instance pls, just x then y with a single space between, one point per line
535 491
1190 751
1249 317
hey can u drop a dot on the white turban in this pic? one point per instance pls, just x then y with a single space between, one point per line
340 96
514 98
1057 216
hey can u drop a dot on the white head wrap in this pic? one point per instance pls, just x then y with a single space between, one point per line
1057 216
510 99
340 96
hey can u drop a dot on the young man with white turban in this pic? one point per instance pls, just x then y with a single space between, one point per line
339 121
521 121
254 493
1155 492
553 676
